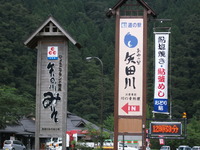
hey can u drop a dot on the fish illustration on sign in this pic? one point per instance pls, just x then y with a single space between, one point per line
130 40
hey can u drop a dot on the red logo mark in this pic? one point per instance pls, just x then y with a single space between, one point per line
52 51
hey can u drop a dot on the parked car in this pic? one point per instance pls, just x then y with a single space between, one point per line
49 143
13 145
126 147
164 147
184 147
58 145
196 148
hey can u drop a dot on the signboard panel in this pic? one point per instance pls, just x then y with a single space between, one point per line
129 125
165 128
130 94
52 91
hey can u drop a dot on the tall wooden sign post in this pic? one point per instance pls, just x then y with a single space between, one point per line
51 41
130 70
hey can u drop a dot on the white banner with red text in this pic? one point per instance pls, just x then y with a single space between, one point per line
161 72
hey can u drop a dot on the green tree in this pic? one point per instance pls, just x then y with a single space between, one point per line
14 105
109 123
95 134
193 132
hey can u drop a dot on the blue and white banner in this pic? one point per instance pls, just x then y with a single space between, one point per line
161 72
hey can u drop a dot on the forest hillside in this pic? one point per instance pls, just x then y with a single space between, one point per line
86 21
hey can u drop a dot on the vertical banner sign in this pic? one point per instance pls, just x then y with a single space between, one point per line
161 72
51 41
130 67
52 89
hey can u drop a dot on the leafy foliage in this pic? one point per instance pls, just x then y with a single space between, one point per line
109 123
14 105
193 132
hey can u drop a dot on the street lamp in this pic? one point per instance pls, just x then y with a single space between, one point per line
102 91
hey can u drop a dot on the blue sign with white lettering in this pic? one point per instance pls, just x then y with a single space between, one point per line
160 105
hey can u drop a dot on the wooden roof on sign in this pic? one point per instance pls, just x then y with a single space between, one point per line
111 11
50 27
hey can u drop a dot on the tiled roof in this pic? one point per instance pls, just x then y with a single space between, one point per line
26 126
77 123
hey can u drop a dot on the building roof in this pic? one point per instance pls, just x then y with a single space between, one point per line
77 123
50 27
26 126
